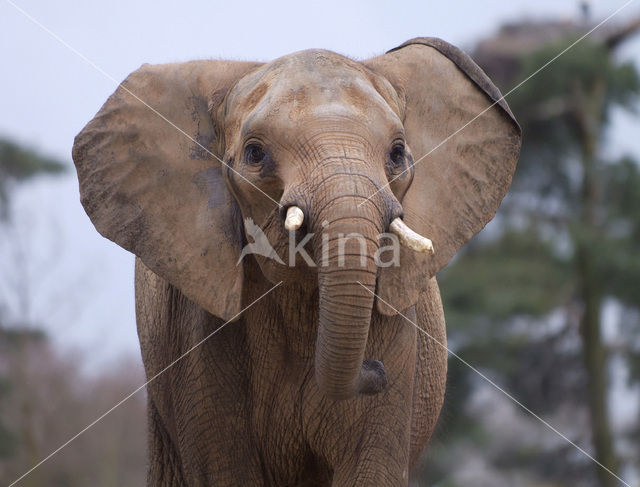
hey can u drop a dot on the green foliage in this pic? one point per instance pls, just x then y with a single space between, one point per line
563 84
591 63
516 274
499 295
622 194
619 259
551 104
18 164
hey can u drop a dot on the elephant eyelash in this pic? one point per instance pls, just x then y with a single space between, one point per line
397 157
254 154
259 159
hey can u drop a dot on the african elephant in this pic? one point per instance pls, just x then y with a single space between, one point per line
269 371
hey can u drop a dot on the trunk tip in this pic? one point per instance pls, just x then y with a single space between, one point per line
371 381
373 377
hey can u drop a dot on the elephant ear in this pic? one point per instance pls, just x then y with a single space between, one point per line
151 180
465 143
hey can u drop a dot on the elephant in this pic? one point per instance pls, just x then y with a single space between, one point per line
328 367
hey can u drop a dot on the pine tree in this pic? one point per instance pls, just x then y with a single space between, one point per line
17 164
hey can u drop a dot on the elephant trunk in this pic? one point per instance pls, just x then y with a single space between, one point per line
346 263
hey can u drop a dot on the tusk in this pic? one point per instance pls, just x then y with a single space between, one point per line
410 238
294 218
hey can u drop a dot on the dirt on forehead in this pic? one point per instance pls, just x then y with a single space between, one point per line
309 68
304 82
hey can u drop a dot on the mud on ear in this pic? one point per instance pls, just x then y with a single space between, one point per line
465 142
151 180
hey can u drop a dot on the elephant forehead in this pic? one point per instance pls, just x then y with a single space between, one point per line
340 105
307 94
305 103
310 66
306 86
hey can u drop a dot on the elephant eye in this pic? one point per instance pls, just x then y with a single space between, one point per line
397 157
254 154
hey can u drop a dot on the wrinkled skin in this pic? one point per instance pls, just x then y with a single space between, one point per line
317 382
264 421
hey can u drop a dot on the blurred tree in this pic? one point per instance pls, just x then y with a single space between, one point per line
44 398
18 163
568 238
50 401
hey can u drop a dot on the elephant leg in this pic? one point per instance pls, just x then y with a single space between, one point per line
375 449
431 369
165 468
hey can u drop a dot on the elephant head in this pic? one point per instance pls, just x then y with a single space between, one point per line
312 144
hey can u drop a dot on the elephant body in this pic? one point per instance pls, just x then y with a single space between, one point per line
243 408
259 199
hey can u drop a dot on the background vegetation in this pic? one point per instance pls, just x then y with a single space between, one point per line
45 398
526 301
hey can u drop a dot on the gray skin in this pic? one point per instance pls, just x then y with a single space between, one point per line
244 408
318 382
257 374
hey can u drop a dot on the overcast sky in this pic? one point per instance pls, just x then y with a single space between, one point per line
81 286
